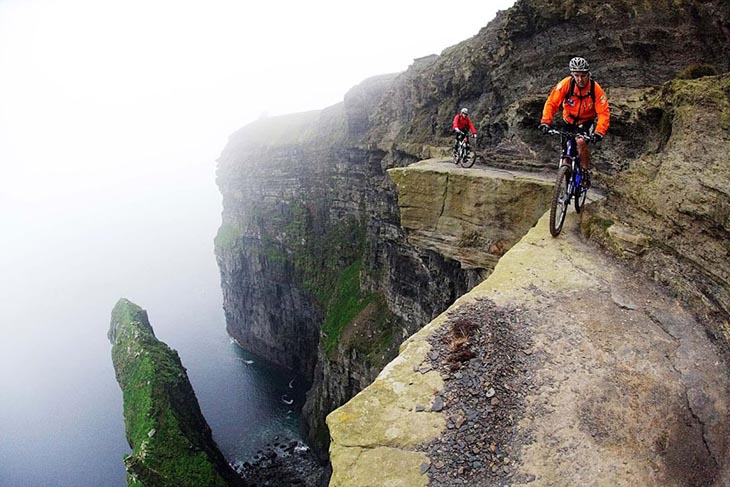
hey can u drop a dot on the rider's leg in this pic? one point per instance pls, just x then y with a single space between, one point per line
584 153
585 161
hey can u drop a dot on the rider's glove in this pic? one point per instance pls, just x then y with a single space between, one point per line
457 131
596 138
544 128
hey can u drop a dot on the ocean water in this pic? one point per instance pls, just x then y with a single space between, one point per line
64 263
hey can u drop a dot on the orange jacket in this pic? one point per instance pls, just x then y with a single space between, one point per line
578 110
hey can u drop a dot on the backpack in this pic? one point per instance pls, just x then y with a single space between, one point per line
591 91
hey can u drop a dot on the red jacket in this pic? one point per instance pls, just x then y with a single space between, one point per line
577 110
462 122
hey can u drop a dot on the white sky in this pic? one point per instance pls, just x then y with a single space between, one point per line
95 92
112 114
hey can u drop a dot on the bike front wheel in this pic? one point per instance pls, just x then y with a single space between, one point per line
560 201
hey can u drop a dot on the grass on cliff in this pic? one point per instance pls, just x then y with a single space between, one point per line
150 373
347 301
327 259
228 234
318 252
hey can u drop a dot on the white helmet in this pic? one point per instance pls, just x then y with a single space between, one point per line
464 111
578 64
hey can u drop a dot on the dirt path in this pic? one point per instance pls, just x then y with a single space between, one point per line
580 374
629 390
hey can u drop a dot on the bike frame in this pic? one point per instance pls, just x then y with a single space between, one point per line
463 148
570 152
571 176
464 139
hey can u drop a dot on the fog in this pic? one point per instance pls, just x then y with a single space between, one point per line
112 115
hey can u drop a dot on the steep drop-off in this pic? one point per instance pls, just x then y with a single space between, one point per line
310 241
171 442
308 204
577 372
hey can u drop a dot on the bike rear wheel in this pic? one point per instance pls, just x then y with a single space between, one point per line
560 202
468 159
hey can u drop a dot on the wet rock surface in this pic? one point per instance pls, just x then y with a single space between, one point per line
283 463
483 354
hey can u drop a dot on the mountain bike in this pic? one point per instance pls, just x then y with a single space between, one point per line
568 182
463 155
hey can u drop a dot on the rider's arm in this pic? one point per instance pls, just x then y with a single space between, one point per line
603 113
471 126
554 100
456 120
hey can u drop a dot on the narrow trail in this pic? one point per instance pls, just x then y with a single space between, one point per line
610 382
628 390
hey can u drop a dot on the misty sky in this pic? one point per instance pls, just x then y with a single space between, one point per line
112 114
95 93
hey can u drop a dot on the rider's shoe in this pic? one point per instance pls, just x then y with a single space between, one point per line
586 179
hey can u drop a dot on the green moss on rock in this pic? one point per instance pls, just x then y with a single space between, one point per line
346 302
227 236
170 440
694 71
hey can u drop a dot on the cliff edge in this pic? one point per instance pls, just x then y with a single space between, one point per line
562 368
171 442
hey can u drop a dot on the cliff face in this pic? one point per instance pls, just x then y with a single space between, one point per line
171 442
306 209
503 72
308 203
676 198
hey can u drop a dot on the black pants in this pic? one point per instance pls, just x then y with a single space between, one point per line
459 137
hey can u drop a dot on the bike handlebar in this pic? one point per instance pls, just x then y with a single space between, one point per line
568 134
587 138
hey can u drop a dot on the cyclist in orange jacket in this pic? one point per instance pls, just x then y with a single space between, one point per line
462 122
585 109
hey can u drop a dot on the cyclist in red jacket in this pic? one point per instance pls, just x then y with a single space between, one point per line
462 122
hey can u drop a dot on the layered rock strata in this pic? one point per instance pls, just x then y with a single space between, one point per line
171 442
471 216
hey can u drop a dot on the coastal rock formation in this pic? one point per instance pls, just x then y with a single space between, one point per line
171 442
321 269
311 240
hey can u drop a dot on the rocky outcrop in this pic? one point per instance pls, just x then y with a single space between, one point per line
592 376
470 216
171 442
